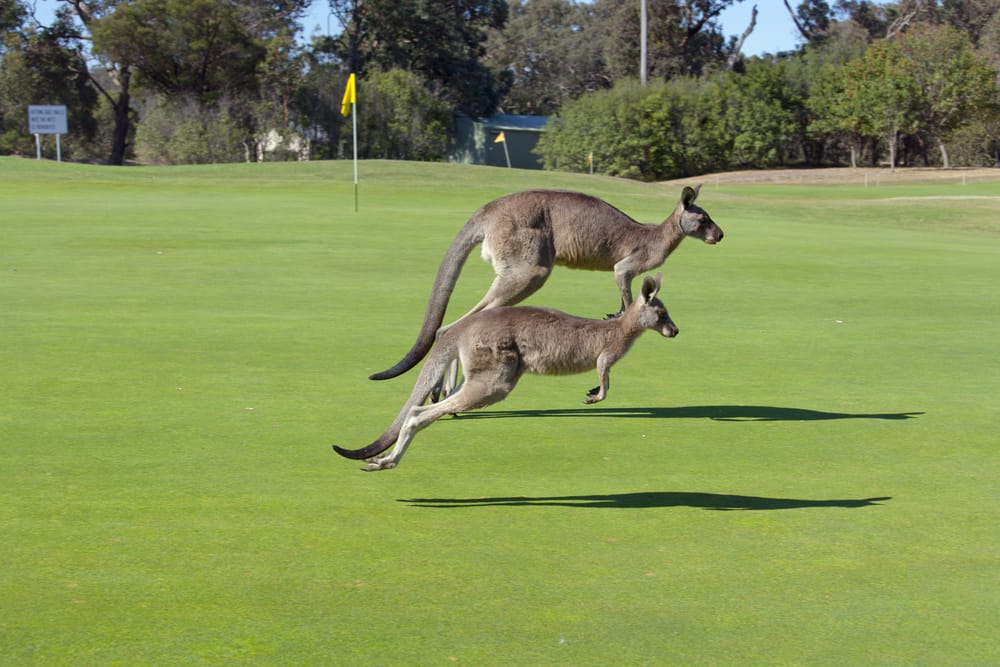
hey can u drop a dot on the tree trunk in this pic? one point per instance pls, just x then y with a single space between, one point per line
893 140
119 138
735 55
945 162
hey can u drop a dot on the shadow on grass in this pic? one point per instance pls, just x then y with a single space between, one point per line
716 412
651 499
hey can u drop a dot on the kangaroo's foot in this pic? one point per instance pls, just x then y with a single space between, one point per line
379 464
611 316
594 396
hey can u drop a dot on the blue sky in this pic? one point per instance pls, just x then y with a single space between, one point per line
774 31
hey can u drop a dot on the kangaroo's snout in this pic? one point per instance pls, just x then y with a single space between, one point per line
669 330
714 236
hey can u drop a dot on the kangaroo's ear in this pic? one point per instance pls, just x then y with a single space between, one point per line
650 287
689 194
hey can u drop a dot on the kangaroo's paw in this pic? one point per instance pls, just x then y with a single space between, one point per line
594 396
611 316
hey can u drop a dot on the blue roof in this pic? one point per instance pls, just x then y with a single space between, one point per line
503 121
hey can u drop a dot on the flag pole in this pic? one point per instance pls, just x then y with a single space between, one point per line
502 139
354 133
349 104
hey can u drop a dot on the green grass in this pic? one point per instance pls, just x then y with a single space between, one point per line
806 475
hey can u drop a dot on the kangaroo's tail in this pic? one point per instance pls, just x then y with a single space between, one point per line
444 284
430 375
377 447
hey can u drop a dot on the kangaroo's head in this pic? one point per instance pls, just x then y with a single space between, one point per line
652 313
694 220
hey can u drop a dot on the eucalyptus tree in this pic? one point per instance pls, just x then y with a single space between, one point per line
684 37
38 66
205 50
880 95
952 82
545 55
443 41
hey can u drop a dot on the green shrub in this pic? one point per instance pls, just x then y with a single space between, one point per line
399 118
179 131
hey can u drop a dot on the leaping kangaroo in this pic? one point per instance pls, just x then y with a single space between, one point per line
497 346
524 234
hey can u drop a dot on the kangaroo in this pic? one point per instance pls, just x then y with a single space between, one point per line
497 346
524 234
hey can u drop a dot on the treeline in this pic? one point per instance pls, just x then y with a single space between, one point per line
922 98
192 81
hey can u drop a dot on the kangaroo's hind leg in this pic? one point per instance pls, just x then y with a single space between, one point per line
478 391
522 260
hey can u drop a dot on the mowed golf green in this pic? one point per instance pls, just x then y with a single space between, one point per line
808 474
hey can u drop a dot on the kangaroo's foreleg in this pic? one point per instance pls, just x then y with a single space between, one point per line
600 392
625 271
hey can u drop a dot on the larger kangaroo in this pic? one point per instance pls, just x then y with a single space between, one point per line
497 346
524 234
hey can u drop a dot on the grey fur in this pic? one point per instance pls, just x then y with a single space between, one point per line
497 346
525 234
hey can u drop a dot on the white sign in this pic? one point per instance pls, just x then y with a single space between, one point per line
46 119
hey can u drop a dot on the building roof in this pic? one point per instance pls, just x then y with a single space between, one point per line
515 122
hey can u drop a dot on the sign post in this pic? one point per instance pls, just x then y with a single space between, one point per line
47 119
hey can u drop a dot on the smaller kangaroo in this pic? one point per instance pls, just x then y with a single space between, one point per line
497 346
523 235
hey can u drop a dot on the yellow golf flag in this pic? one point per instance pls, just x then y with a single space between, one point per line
350 96
500 138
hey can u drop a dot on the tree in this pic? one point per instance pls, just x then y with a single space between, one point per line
12 15
179 129
204 50
118 74
810 84
757 110
870 15
684 38
812 19
974 18
317 99
400 119
544 56
671 129
37 68
952 83
880 95
838 112
441 40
